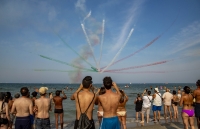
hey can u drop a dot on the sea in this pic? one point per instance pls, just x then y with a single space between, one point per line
69 107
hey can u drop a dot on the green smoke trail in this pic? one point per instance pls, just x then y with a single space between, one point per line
65 63
55 70
72 49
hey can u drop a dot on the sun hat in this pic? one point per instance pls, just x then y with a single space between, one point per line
156 89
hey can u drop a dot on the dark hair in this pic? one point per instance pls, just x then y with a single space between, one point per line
87 81
107 82
122 96
149 92
198 83
102 91
24 91
34 94
138 95
173 92
8 97
187 89
58 92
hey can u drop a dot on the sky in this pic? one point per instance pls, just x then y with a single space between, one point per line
137 41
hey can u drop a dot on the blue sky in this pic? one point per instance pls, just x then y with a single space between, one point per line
138 34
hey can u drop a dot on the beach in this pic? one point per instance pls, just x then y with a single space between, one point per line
131 91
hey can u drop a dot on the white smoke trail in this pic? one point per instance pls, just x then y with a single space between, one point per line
102 39
87 16
83 27
118 51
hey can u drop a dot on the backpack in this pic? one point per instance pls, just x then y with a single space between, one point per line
84 122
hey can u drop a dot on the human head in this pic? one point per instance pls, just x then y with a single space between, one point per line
156 90
198 83
24 91
187 89
138 95
122 96
107 82
167 90
34 94
102 91
58 93
149 92
173 92
8 97
87 82
2 95
43 90
17 95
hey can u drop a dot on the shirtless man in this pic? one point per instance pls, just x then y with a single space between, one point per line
110 101
59 107
196 95
167 98
85 100
23 107
43 106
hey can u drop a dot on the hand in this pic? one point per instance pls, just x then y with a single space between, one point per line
81 86
114 84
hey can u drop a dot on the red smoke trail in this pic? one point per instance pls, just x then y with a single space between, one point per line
139 72
140 66
136 51
147 44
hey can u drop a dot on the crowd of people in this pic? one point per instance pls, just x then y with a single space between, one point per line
189 101
32 112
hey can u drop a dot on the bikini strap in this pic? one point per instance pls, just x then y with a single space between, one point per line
89 104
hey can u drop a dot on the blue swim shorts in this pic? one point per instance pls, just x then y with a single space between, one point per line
156 108
110 123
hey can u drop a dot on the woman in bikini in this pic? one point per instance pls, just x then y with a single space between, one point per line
100 108
175 101
121 110
4 113
188 109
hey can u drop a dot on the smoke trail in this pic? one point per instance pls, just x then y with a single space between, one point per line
72 49
140 72
75 66
55 70
102 39
83 27
147 45
118 51
87 16
140 66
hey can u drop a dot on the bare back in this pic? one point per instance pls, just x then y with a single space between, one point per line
187 101
43 105
197 95
109 102
23 106
58 102
85 98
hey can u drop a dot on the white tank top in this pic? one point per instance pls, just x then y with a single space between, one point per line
157 100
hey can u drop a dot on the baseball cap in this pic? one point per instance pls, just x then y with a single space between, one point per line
43 90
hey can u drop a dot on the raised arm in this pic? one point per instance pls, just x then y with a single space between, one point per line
79 89
116 88
64 96
144 92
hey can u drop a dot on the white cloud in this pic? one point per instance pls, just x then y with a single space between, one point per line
80 4
186 38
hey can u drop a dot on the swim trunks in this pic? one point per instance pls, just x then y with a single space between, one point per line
110 123
91 122
156 108
197 109
58 110
42 123
23 123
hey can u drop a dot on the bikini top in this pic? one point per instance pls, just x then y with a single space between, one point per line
88 106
